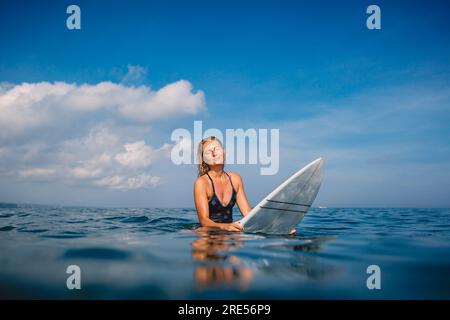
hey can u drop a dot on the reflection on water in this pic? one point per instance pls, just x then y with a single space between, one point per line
217 265
163 254
305 262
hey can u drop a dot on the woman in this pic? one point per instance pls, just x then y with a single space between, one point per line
216 191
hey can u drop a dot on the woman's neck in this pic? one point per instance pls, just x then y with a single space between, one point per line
216 170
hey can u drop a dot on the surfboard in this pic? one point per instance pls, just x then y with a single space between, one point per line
285 207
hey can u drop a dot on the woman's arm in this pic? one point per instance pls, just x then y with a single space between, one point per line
201 204
241 197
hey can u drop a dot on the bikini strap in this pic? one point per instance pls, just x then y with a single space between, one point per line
212 182
230 181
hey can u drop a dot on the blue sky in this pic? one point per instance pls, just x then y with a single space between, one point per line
374 103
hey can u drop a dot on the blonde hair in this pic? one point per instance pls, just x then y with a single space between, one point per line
203 167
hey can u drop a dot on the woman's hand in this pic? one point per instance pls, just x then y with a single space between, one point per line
234 227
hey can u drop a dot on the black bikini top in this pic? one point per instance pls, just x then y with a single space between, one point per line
217 212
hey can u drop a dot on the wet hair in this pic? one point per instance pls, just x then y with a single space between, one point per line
203 167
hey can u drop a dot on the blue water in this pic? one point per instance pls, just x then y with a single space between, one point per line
158 253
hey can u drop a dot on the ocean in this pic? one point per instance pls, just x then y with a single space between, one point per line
137 253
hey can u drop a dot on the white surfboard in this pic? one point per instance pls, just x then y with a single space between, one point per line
285 207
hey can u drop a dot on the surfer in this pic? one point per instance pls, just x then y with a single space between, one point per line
216 191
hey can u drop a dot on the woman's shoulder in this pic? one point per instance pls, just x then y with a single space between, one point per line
200 181
235 177
234 174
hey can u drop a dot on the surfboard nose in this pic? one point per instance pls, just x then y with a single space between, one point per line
318 161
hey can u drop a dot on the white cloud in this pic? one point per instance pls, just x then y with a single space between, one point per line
135 75
27 106
37 173
102 159
89 135
99 162
140 155
93 167
136 155
168 101
123 182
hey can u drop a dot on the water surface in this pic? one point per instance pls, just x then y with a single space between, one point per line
129 253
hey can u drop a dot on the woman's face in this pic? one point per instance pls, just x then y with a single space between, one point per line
213 153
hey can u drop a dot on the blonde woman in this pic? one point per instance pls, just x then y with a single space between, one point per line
216 191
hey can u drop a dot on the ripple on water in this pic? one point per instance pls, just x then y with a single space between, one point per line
65 235
32 230
114 218
96 253
112 228
169 219
138 219
7 228
76 221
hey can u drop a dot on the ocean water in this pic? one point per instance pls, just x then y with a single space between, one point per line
126 253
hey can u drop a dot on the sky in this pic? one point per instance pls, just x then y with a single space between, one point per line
86 115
